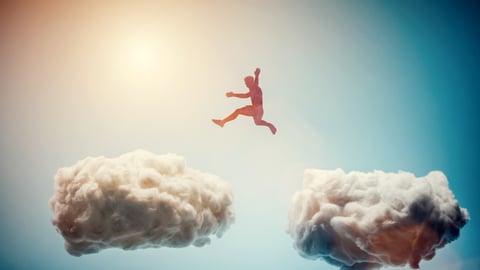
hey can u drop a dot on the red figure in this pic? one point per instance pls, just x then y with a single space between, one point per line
255 110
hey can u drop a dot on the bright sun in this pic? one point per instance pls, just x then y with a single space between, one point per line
141 56
142 59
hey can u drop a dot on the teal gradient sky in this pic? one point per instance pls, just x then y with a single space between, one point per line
364 85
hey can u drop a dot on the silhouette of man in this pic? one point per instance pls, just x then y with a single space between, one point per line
255 110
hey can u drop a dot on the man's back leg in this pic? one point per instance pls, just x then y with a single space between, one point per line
261 122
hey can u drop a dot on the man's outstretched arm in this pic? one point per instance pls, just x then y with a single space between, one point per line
238 95
257 73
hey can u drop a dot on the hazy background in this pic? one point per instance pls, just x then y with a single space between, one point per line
389 85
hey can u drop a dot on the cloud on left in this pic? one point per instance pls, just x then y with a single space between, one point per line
138 200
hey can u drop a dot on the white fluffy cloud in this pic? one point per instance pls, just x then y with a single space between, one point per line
368 220
138 200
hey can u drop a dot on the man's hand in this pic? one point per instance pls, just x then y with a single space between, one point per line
229 94
257 72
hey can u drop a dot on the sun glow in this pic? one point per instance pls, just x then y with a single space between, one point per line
141 56
145 65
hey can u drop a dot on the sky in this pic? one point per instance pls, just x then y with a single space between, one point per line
367 85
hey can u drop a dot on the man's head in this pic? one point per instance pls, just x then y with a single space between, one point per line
248 81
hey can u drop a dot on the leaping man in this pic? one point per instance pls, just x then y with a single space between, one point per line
255 110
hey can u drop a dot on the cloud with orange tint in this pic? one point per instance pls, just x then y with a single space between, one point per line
138 200
362 220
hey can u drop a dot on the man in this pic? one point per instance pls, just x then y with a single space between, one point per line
255 110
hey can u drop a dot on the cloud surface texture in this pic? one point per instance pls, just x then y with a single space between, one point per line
362 220
138 200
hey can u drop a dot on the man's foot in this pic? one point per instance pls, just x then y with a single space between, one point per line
218 122
273 129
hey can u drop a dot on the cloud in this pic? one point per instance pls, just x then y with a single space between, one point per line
368 220
138 200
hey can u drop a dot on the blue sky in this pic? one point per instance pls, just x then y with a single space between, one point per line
354 85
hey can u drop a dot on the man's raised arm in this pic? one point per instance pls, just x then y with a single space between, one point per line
257 73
